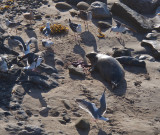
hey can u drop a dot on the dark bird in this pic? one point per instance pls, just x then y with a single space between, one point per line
85 16
33 60
11 24
96 113
47 30
76 28
25 46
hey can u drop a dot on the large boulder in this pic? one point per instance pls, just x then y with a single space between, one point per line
153 47
141 23
99 10
142 6
63 6
82 5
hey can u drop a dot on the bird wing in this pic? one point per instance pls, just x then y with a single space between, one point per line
103 105
19 39
87 106
118 23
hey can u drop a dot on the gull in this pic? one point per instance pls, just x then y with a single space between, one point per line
85 16
96 113
76 28
25 46
33 61
29 16
47 30
11 24
47 43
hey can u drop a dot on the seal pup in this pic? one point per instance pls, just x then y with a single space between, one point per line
96 113
109 68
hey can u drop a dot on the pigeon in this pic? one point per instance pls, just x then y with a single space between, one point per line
26 46
96 113
33 61
85 16
47 31
76 28
11 24
47 43
29 16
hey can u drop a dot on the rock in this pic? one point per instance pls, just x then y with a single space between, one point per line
33 129
117 52
58 61
73 12
63 6
66 118
153 47
151 59
48 69
142 6
29 113
73 2
54 112
43 111
82 5
141 23
99 10
3 65
103 24
38 17
13 128
2 31
62 121
130 61
76 70
66 104
142 57
77 114
82 124
152 36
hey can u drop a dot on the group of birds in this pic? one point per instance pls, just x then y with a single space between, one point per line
34 61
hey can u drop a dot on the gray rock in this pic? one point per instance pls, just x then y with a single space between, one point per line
103 24
13 128
139 22
99 10
43 111
76 70
54 113
66 118
82 124
66 104
153 47
142 6
73 12
118 52
82 5
130 61
63 6
152 36
73 2
48 69
62 122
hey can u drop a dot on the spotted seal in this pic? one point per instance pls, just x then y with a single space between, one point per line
109 68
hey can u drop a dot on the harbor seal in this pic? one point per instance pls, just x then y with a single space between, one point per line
108 67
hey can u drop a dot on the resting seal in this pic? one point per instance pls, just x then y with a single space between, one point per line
109 68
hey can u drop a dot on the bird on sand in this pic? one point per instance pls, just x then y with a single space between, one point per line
85 16
47 30
11 24
33 61
47 43
76 28
29 16
96 113
25 46
119 28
